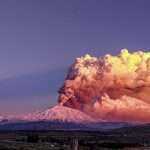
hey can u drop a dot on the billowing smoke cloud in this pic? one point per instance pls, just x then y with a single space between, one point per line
113 88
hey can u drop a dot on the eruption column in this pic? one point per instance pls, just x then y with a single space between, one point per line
114 88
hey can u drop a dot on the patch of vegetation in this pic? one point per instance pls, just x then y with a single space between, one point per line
88 140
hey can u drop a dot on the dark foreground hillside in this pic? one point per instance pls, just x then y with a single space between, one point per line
140 129
137 137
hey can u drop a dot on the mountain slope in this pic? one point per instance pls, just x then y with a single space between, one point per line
56 113
57 117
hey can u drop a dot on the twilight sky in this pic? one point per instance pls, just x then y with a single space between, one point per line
39 40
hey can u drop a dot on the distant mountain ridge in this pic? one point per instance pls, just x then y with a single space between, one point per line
57 125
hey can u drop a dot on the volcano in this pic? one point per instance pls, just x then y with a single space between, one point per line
56 113
57 117
99 92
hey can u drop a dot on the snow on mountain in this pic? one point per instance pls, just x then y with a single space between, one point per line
56 113
57 117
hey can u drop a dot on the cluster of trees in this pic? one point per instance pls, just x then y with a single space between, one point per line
111 145
32 138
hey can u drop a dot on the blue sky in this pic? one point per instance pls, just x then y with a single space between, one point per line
39 40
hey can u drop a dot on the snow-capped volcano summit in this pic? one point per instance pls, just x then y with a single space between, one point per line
57 117
56 113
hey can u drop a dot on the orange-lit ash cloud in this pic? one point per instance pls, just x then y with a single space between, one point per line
113 88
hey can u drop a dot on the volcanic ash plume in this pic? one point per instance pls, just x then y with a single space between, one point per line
113 88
